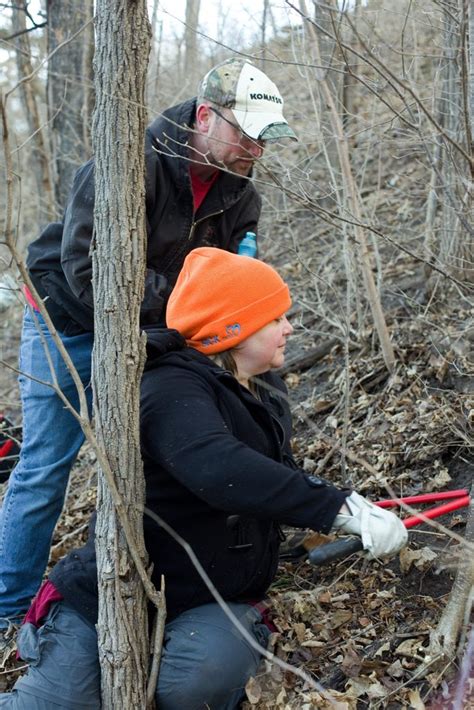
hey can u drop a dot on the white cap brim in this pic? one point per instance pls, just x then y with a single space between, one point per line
263 126
258 106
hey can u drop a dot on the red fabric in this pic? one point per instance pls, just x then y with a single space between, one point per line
30 298
200 188
6 448
47 595
40 606
265 611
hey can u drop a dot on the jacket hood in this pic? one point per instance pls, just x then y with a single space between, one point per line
161 340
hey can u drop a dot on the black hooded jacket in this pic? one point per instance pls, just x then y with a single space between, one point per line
59 261
219 471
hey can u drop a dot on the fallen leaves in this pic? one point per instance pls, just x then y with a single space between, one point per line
422 559
396 431
355 633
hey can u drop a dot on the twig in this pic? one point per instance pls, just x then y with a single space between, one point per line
68 536
8 38
30 76
158 634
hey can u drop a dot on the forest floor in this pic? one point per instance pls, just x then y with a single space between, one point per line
360 628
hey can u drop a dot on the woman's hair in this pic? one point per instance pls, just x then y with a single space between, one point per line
226 360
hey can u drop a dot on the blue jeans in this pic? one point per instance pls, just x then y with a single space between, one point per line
205 661
37 486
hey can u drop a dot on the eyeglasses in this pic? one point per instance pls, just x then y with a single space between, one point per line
237 128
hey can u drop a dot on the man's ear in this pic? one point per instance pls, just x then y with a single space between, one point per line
203 118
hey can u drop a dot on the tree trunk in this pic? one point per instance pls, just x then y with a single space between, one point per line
326 51
349 202
122 48
456 245
69 90
429 242
190 41
350 83
39 157
444 638
471 63
153 78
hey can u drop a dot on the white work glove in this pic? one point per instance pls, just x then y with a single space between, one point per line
383 533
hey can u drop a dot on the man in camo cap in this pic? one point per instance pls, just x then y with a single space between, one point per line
239 109
199 158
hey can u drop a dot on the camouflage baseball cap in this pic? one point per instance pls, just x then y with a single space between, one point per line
253 98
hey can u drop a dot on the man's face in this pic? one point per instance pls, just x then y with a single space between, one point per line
228 146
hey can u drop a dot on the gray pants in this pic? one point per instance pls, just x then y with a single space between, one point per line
205 661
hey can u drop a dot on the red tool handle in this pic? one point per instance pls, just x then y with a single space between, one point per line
423 498
437 511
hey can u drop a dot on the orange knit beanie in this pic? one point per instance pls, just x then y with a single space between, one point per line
221 299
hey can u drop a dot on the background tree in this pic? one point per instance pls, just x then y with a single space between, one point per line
154 73
32 95
191 43
471 62
69 90
456 245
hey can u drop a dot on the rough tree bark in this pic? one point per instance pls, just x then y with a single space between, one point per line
69 90
39 156
122 49
456 247
471 63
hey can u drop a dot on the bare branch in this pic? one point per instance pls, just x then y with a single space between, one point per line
8 38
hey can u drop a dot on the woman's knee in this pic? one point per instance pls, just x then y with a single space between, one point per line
207 685
206 660
63 659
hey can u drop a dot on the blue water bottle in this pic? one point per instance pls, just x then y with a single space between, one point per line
248 245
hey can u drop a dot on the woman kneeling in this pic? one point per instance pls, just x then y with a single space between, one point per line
215 430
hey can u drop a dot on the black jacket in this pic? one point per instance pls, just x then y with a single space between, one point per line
219 471
59 260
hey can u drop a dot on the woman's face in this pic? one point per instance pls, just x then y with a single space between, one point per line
264 350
